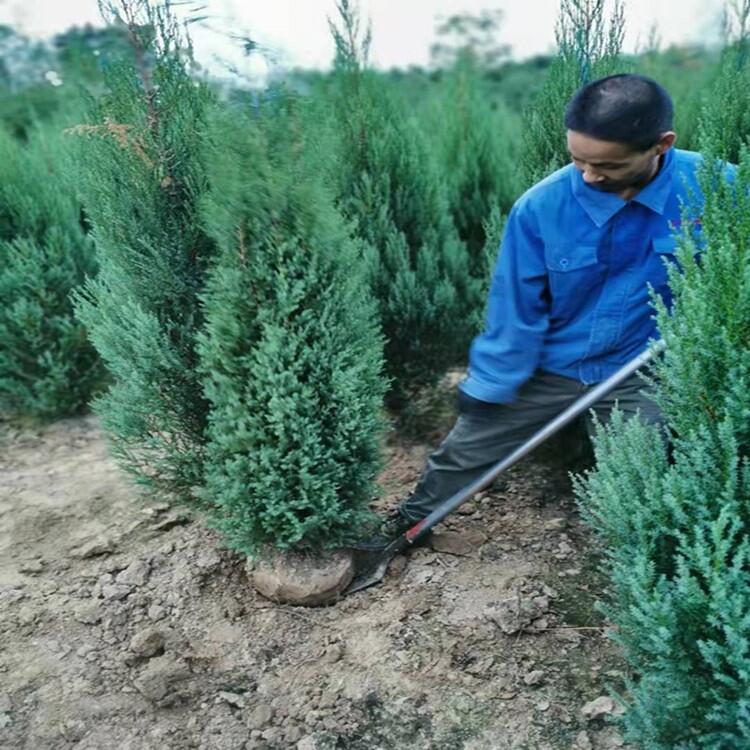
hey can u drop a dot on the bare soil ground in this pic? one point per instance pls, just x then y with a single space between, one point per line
126 625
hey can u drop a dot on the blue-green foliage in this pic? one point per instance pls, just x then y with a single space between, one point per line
291 355
48 368
589 43
141 178
687 73
478 143
677 528
725 120
389 187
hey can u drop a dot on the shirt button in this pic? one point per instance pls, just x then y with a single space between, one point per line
563 262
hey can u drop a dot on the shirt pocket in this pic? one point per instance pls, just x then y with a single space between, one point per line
574 271
664 253
665 246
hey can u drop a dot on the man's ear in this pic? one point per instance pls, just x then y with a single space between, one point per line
666 141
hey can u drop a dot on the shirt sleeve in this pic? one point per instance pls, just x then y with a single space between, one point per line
506 354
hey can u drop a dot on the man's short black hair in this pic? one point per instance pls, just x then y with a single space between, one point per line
624 108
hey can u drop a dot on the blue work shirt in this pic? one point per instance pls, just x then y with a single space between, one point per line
569 293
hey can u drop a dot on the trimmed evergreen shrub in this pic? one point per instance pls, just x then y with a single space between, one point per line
48 368
589 42
676 523
141 178
291 355
387 185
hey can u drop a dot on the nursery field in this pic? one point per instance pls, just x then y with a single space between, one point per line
127 625
236 320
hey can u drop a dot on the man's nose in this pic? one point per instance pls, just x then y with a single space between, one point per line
590 176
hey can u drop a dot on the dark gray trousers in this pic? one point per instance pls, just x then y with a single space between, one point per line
485 433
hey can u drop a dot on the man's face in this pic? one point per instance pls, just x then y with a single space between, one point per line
615 167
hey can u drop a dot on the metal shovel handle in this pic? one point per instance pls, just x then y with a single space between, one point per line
562 419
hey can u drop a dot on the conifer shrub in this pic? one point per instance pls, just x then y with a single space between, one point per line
141 179
388 187
675 521
725 120
589 41
478 149
686 72
48 368
291 355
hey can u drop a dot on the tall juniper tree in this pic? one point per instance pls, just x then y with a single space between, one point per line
387 185
48 368
142 176
676 522
476 136
589 42
292 353
478 148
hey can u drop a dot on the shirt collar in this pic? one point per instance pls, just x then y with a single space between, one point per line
601 206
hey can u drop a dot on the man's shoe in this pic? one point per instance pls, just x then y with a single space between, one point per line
394 526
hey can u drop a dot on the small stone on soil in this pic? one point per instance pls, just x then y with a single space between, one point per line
260 716
293 734
462 543
515 614
27 615
89 613
601 706
506 695
73 730
116 591
233 609
160 507
534 678
208 560
466 509
233 699
136 574
31 566
103 546
155 612
397 566
172 520
556 524
161 674
271 735
148 642
328 699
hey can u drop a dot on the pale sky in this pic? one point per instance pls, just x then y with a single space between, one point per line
296 31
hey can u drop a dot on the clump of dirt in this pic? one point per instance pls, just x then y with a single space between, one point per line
127 625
